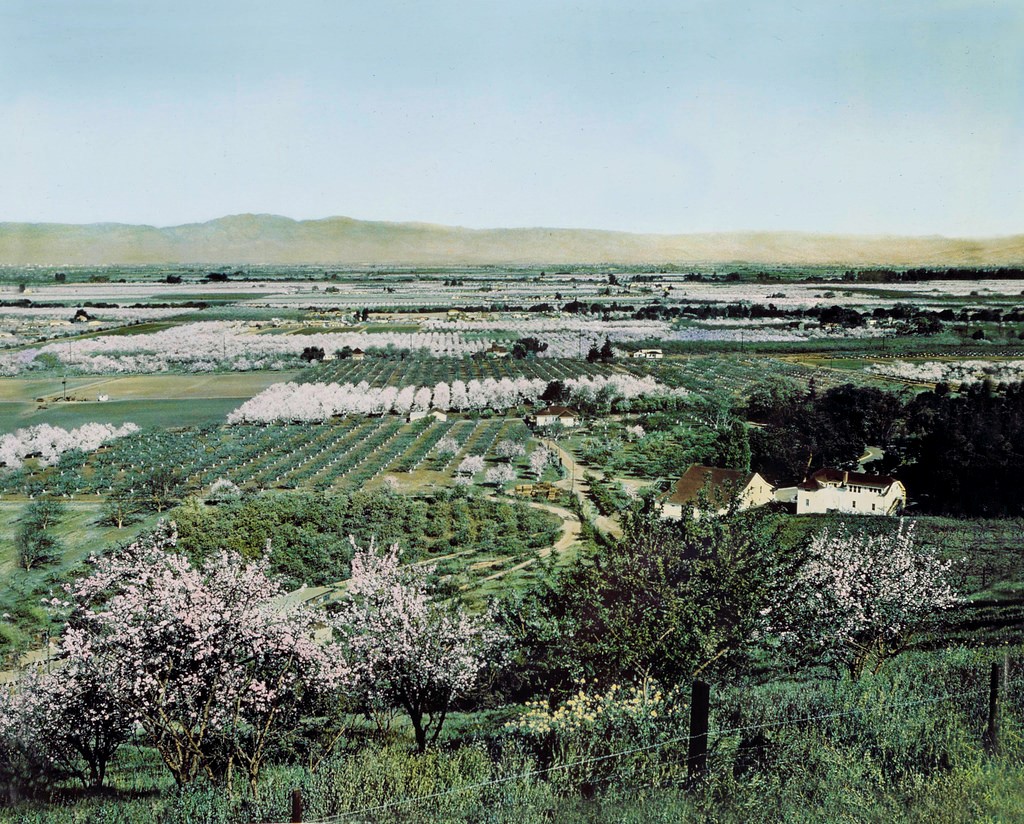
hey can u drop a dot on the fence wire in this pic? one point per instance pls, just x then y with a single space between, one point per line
713 734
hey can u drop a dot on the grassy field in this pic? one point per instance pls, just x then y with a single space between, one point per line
78 531
148 400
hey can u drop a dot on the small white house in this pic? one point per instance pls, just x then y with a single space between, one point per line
557 414
419 414
719 486
649 354
855 493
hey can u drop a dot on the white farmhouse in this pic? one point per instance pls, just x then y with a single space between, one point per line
556 414
649 354
856 493
720 486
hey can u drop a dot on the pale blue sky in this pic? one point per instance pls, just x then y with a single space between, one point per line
871 116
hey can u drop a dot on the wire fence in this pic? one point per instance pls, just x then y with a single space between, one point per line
611 757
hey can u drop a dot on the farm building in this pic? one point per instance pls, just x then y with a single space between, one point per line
556 414
649 354
497 351
836 490
419 414
720 486
358 354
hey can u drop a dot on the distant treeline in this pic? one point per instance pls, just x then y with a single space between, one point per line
831 313
916 275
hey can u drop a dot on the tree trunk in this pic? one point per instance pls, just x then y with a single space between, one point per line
421 734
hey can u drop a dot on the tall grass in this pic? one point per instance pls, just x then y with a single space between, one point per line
903 746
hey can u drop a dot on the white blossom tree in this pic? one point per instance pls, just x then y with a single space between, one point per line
540 458
500 475
858 598
442 396
470 465
409 648
447 446
458 398
421 401
509 449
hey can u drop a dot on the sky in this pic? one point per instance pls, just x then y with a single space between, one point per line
665 116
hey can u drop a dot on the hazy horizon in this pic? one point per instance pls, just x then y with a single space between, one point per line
687 117
523 227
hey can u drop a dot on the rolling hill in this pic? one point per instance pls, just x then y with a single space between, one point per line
272 239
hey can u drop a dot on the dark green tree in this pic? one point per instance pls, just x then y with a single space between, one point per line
671 602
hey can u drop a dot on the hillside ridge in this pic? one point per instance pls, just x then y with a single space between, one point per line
339 240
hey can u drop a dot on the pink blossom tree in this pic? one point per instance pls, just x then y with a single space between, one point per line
208 659
409 648
76 717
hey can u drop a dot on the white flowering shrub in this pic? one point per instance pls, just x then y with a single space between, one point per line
591 723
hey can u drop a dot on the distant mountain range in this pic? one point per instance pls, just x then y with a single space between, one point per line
251 239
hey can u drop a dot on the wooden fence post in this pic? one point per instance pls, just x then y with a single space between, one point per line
991 737
296 806
697 749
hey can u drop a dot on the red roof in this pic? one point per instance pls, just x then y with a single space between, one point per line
721 484
558 412
841 476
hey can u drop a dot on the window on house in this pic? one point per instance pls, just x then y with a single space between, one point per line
872 507
853 504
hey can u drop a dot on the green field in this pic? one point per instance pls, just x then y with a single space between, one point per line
78 531
151 401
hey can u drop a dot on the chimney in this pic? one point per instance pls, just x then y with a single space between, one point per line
846 477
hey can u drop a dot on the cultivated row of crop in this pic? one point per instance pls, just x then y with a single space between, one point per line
1010 371
345 454
735 375
209 345
322 401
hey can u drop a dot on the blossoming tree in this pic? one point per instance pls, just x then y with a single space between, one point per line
211 665
75 718
858 598
407 647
